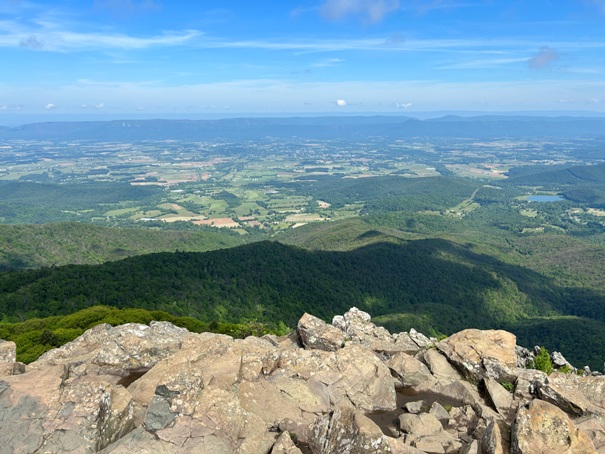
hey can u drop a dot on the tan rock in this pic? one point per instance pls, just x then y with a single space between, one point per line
316 334
496 438
564 391
15 368
347 431
285 445
398 446
545 429
471 448
594 428
439 412
408 370
439 366
438 443
476 353
501 398
419 425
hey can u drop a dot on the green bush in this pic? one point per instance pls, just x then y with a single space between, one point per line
543 362
566 369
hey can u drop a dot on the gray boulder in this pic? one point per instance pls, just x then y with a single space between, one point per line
318 335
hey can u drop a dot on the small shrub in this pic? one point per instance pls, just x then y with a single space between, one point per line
566 369
543 362
510 387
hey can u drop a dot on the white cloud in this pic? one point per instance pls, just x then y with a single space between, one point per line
99 106
50 106
542 60
372 10
404 105
326 62
341 102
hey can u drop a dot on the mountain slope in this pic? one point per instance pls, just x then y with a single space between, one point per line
30 246
443 285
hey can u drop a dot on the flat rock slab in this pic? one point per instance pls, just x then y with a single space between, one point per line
478 354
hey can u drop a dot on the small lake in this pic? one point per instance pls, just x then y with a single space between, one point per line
544 198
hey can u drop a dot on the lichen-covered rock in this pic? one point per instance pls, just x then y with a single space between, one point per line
357 327
8 351
543 428
478 354
346 431
118 350
53 412
318 335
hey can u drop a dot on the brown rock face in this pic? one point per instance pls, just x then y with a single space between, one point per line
545 429
478 354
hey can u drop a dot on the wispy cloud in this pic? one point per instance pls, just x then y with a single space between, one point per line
484 63
423 6
126 8
542 60
53 38
371 10
327 62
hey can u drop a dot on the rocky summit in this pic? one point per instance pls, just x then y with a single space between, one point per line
348 387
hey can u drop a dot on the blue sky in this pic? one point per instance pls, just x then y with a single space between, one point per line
160 57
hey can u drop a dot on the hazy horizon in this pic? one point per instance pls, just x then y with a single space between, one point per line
15 120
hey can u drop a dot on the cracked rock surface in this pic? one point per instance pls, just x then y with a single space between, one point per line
346 387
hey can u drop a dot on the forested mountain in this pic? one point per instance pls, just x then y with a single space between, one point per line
31 246
316 127
434 285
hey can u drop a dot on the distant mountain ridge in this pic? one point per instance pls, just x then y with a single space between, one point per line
487 126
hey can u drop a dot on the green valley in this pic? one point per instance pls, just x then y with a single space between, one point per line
438 228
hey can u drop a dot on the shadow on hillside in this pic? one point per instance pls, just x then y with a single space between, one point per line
449 285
